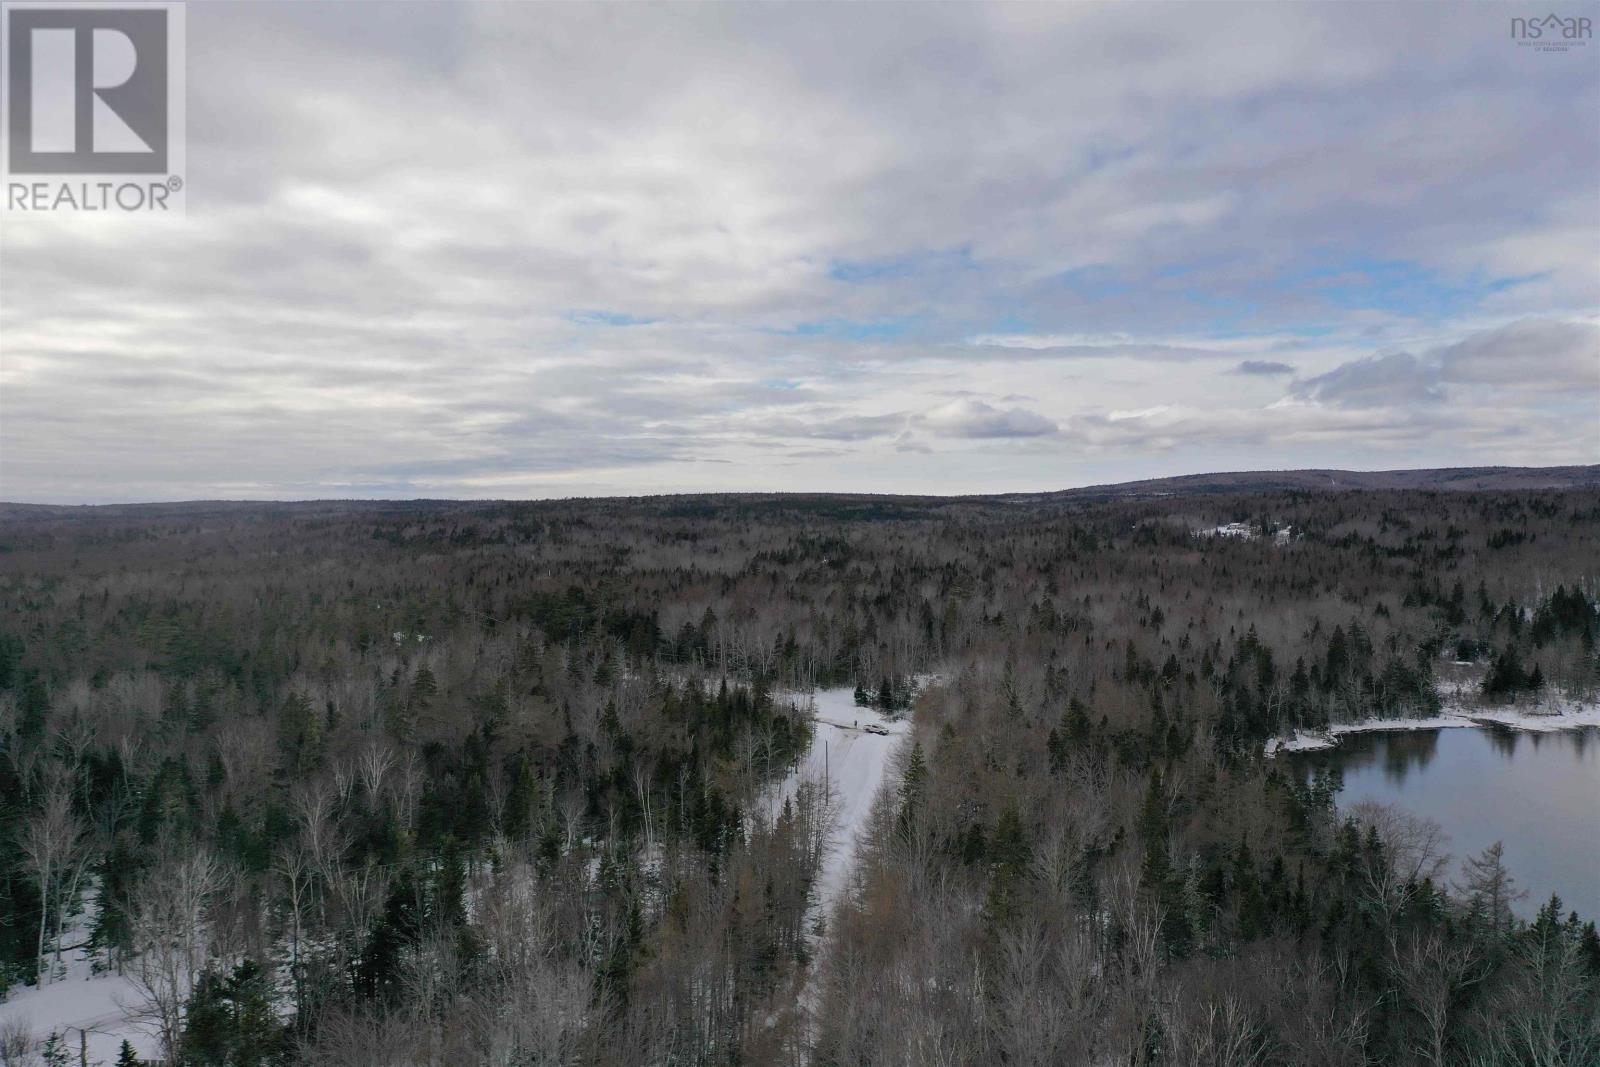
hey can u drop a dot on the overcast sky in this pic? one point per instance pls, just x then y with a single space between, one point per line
524 251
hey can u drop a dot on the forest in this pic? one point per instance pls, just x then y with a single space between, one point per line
375 784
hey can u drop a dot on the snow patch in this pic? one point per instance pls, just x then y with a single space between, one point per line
104 1006
1550 717
852 749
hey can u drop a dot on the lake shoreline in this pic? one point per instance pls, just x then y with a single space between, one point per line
1543 718
1535 792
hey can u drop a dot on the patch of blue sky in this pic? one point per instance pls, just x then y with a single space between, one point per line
1009 323
854 330
1223 315
606 318
1093 281
869 270
889 268
1397 286
1098 158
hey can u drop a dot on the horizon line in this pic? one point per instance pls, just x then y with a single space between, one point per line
1487 469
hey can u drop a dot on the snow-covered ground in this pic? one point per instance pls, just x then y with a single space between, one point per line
854 762
104 1006
1548 717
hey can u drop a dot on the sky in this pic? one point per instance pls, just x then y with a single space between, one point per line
516 250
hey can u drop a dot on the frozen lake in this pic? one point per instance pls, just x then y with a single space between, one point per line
1537 793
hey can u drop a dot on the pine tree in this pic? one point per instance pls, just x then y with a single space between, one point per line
1506 676
1010 851
1490 891
912 785
1252 908
55 1052
1075 723
1545 933
230 1021
300 731
34 708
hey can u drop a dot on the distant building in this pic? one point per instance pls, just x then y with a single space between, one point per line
1242 530
1245 531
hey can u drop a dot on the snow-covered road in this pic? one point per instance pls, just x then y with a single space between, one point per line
854 762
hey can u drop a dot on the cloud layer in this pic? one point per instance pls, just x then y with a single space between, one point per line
510 250
1533 358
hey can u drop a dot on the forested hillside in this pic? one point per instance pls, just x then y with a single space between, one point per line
445 783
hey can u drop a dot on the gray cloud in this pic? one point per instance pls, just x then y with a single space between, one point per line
1537 352
976 419
1530 355
842 428
1263 367
1393 378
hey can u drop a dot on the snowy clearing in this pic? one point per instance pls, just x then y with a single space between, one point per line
851 750
103 1006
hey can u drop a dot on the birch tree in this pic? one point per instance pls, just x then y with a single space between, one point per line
170 938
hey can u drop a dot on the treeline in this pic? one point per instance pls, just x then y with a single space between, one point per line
455 784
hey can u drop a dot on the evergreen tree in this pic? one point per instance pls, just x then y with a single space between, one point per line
1506 676
912 785
1490 892
55 1052
300 731
230 1021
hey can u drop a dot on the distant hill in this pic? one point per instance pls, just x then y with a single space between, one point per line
859 505
1458 479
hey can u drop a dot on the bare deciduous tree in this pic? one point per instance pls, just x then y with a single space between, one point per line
56 847
170 937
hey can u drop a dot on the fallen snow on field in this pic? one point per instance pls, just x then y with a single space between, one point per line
80 1001
1548 717
852 749
103 1006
